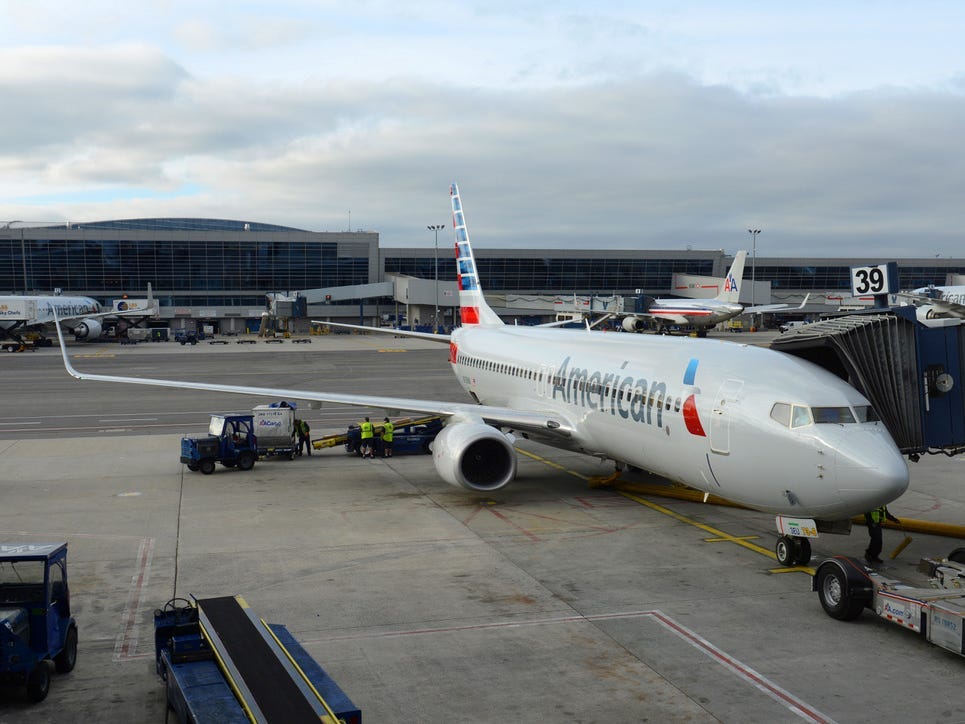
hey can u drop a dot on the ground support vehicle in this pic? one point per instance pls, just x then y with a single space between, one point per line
16 345
230 441
221 663
410 437
35 622
845 587
274 427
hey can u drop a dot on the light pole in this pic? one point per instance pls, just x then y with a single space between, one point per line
753 233
435 228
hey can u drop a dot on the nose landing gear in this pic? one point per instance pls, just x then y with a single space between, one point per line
792 551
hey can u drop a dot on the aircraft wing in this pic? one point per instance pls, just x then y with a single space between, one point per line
941 306
498 416
669 317
444 338
776 307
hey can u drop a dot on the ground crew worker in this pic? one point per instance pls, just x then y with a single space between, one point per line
874 519
367 431
387 430
304 431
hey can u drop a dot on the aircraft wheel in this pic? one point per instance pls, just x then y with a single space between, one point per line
67 657
803 546
835 594
957 555
246 461
206 467
785 550
38 682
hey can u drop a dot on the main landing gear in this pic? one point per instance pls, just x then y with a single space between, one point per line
792 551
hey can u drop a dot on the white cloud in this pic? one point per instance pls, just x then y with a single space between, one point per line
568 136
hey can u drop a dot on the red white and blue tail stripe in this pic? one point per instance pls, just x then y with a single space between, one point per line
472 304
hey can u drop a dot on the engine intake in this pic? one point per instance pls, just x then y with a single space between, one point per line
88 329
474 456
634 324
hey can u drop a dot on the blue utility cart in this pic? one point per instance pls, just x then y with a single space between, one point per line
35 622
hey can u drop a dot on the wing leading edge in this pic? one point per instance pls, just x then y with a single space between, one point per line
498 416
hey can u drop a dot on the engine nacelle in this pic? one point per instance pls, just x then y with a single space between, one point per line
474 456
88 329
926 312
634 324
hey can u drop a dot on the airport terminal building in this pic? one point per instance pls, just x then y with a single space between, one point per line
220 270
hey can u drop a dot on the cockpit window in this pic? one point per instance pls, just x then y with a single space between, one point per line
800 416
839 415
781 412
866 413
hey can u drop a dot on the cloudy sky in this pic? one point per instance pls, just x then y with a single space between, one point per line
834 127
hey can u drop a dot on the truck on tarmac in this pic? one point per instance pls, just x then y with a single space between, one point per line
239 440
846 587
230 441
35 622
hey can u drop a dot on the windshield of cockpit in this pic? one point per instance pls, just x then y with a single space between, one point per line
794 416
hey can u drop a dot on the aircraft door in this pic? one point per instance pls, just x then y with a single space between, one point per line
720 417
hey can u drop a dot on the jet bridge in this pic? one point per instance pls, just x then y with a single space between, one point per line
910 369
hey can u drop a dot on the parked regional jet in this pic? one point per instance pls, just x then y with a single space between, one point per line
938 301
701 313
19 314
756 426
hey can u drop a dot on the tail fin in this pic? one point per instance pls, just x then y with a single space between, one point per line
734 279
472 304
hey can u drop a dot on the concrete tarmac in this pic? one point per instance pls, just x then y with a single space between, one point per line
549 600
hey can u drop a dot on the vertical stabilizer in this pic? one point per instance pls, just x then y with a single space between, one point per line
472 305
734 279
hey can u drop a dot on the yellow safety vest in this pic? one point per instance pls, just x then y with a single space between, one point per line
878 515
387 430
366 430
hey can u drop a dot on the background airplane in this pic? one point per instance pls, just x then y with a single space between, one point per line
948 301
768 430
700 313
20 315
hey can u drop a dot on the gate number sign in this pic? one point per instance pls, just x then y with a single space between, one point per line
867 280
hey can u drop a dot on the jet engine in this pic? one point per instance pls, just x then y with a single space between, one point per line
474 456
634 324
88 329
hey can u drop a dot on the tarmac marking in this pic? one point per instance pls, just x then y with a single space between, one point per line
507 521
795 705
125 645
133 419
718 536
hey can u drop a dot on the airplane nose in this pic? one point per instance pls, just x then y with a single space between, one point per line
871 472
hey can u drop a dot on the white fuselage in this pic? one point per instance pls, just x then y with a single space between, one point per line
40 309
698 312
695 411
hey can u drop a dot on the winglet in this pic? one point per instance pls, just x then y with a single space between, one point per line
63 347
472 304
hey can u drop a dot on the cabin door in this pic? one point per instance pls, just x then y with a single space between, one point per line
725 404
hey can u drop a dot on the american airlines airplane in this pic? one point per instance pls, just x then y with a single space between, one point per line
20 314
935 302
701 313
759 427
